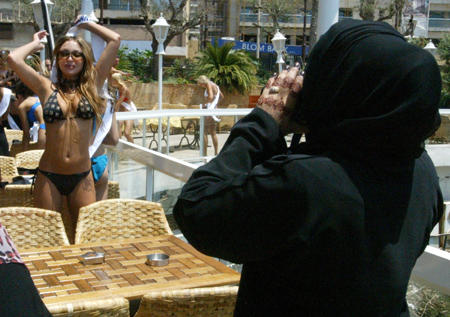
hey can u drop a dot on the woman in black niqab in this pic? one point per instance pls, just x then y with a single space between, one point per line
334 226
369 94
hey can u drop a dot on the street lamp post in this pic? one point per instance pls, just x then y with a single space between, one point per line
430 47
160 28
42 10
279 45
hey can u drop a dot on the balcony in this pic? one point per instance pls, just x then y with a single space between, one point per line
250 18
120 5
438 24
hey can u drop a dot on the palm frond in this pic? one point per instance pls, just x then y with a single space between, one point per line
231 70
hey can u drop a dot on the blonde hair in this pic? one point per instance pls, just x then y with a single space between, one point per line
118 77
86 79
202 80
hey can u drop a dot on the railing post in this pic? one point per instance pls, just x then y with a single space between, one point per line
149 183
201 137
168 136
115 164
144 131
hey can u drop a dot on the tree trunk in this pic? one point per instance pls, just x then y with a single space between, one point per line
313 26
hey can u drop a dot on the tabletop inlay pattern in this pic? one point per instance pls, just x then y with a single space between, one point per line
58 272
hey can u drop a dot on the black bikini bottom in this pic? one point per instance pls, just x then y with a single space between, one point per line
65 183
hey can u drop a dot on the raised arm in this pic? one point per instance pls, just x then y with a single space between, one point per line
40 85
106 60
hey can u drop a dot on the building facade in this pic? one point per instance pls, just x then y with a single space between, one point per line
236 19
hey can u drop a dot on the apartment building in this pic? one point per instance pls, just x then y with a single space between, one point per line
223 18
437 21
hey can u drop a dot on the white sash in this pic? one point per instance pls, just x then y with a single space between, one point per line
129 106
34 132
103 129
4 103
213 104
13 125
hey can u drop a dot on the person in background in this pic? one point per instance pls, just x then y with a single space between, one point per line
48 65
71 106
5 98
212 96
18 294
332 226
124 103
31 116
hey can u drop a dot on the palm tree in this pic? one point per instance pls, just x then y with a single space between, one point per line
231 70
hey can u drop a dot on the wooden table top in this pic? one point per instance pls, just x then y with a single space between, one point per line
60 276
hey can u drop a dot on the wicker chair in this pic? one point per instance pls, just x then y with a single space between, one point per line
8 166
111 307
113 189
120 219
16 196
198 302
34 227
29 159
12 135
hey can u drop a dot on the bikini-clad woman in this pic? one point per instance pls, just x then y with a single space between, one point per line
124 103
212 96
70 107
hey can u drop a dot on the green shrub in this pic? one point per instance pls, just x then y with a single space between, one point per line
136 62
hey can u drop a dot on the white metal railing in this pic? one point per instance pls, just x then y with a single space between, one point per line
201 113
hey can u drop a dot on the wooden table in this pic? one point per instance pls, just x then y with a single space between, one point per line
60 276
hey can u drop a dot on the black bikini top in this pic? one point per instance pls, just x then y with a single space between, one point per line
52 110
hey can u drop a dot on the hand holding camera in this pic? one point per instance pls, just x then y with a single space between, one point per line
279 99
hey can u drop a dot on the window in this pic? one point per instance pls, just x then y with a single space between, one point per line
6 31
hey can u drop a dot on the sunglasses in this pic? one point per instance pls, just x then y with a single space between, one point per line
74 54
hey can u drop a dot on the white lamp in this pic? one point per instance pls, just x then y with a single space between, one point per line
39 17
279 45
430 47
37 11
160 28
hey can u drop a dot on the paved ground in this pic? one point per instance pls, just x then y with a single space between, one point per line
184 152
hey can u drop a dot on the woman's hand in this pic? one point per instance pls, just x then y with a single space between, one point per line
279 99
80 20
38 37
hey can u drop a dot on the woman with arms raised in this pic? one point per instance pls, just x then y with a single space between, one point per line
71 105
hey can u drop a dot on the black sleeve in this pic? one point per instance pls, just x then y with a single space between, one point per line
235 207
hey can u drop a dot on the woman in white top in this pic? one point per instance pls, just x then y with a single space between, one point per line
212 96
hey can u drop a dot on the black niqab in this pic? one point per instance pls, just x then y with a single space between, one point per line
370 94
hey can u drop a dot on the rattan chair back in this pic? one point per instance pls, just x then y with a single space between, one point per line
120 219
198 302
16 196
8 166
110 307
113 190
12 135
29 159
33 227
